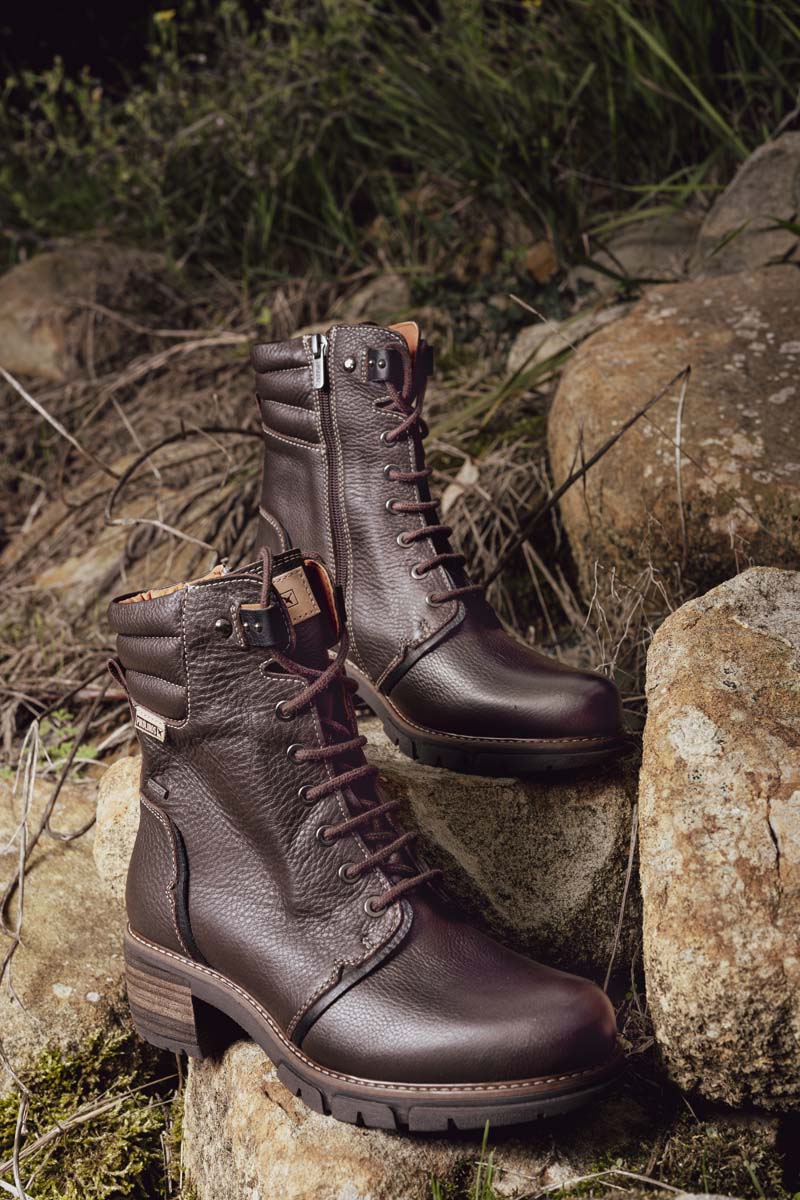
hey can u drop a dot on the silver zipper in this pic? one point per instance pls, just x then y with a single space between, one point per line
319 354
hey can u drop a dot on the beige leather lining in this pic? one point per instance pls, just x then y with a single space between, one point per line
409 331
154 593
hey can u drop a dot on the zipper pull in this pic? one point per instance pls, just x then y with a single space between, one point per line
319 354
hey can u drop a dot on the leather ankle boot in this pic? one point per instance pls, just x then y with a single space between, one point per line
345 477
272 890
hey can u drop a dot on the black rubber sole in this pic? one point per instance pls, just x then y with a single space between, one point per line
492 756
182 1006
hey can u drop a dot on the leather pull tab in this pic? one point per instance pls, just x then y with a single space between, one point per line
117 673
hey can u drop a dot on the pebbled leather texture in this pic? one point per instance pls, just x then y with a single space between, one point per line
266 904
482 683
411 994
150 889
387 609
453 1005
469 679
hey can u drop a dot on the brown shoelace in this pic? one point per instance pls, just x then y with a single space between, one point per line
412 416
372 823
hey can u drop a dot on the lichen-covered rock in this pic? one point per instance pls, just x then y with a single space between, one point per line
720 841
117 822
739 431
765 189
67 974
247 1138
536 343
542 864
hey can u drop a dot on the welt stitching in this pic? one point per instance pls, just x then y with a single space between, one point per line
423 1087
290 441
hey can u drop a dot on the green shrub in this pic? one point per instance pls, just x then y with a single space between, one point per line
326 135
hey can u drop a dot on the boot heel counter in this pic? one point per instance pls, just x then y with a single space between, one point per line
151 890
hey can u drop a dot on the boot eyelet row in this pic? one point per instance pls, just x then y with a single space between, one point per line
373 907
322 836
281 713
293 750
347 874
415 572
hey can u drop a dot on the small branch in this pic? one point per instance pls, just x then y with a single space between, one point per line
59 428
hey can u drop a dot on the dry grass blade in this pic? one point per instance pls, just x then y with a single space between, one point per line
51 420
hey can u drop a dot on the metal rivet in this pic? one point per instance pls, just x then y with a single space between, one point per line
223 627
381 363
349 363
257 626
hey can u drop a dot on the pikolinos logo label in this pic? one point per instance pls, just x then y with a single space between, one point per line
150 723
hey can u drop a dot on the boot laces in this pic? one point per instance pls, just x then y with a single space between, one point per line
372 819
411 411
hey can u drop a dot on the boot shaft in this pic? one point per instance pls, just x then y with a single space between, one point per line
231 864
337 480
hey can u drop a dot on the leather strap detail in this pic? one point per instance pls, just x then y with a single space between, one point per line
265 627
385 365
351 975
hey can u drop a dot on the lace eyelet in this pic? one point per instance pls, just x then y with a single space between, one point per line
346 873
432 601
386 437
387 472
322 836
281 713
415 572
373 906
302 794
402 540
293 750
390 506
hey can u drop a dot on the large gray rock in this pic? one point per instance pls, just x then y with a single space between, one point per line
720 841
67 974
656 248
739 432
740 231
247 1138
542 864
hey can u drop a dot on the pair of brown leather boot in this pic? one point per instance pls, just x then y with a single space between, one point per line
270 886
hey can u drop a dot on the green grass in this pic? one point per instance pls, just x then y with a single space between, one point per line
329 135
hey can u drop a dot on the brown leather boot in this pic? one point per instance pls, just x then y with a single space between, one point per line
345 477
271 887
